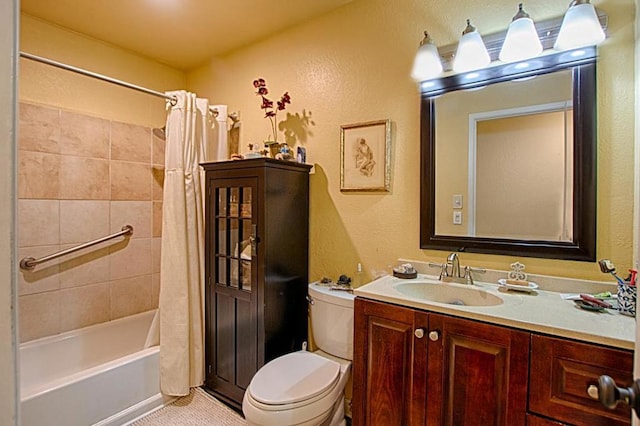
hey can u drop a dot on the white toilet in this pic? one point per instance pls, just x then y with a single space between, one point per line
307 388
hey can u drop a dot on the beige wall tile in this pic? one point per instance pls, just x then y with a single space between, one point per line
130 296
82 221
158 146
87 266
156 250
38 175
135 213
83 306
38 222
44 277
39 315
131 258
130 142
84 136
157 173
84 178
130 181
155 291
39 128
157 218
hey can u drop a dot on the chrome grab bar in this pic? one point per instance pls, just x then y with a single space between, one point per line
29 263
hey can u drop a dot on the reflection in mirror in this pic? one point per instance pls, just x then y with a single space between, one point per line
509 168
518 143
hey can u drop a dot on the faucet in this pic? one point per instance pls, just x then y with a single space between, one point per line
450 271
453 262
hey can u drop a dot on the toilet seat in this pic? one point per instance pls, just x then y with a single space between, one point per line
293 380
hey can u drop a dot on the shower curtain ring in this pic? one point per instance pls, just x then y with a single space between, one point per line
173 101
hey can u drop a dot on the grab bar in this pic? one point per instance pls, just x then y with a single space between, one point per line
29 263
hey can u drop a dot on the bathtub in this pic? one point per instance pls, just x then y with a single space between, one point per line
102 374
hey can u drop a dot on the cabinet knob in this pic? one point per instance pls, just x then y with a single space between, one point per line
592 390
419 333
434 335
610 394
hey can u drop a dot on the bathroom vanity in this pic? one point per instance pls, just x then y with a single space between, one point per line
256 268
420 362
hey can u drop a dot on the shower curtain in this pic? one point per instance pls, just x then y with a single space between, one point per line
188 134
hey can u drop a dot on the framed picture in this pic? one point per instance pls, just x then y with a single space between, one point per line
365 156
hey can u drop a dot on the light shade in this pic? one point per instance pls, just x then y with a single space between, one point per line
580 27
522 40
426 64
471 53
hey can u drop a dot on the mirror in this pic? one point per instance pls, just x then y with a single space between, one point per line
508 165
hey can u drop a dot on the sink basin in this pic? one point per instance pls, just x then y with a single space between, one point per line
453 294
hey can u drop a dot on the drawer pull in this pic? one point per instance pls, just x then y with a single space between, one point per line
419 333
610 394
592 390
434 336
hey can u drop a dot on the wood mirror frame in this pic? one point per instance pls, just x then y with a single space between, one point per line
583 245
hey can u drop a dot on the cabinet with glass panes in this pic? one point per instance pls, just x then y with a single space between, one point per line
256 269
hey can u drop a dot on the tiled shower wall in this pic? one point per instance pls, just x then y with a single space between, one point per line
81 178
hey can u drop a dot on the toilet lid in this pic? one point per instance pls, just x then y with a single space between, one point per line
293 378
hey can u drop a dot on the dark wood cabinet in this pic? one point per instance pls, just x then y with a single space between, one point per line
480 371
256 268
561 373
389 368
413 367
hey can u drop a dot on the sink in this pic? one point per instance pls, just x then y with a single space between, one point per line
452 294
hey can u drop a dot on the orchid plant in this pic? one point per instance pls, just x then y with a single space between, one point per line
271 110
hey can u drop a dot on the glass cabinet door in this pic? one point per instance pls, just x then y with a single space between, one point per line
234 248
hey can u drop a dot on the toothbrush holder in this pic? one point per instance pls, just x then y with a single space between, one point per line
627 296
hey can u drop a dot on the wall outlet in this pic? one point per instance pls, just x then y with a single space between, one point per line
457 218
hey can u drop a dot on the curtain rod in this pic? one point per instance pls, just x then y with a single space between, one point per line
172 99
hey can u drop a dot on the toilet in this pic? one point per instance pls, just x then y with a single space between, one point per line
307 388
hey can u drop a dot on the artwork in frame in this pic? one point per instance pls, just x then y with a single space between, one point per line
365 156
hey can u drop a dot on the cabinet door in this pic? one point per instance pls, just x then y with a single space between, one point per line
561 373
477 373
232 333
389 367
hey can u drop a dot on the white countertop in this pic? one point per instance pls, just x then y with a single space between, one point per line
538 311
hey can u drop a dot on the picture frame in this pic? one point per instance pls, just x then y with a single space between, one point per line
365 157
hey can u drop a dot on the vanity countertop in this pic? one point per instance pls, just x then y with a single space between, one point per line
538 311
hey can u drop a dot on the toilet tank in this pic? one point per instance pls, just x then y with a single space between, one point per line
332 320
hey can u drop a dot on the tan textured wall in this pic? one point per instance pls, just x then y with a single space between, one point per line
353 65
9 396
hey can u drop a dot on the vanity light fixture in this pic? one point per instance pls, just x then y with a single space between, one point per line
471 53
427 63
580 27
522 41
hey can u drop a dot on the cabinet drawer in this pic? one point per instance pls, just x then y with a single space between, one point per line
562 371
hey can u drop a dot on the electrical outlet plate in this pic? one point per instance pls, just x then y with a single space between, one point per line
457 218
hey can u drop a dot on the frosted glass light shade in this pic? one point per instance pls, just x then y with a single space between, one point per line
521 42
426 64
471 53
580 28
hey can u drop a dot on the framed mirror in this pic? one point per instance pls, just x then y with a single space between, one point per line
508 162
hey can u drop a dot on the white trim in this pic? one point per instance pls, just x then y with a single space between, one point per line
473 151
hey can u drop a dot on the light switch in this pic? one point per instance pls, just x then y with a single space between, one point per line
457 218
457 201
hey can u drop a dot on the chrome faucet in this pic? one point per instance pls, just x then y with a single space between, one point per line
450 271
453 262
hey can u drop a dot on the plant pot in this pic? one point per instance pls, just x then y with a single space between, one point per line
274 148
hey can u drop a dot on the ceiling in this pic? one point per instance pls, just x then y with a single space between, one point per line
180 33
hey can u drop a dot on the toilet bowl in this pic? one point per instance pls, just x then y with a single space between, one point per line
307 388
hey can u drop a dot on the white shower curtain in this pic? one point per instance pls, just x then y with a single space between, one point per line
188 133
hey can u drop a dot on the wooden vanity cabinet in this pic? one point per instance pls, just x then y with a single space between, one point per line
256 268
415 368
390 365
563 370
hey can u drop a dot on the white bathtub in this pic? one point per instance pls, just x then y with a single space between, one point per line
101 374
